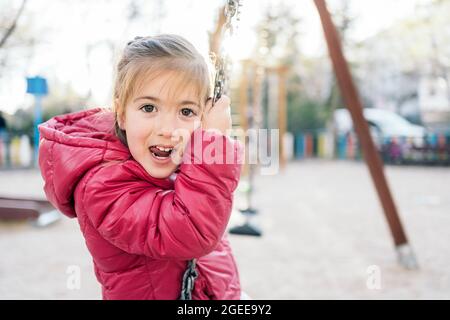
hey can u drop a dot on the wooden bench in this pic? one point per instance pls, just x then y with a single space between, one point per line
40 212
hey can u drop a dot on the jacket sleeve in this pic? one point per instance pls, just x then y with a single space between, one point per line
185 222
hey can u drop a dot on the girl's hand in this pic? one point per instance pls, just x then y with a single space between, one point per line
218 116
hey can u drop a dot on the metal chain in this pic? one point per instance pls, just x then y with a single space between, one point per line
220 82
222 63
189 277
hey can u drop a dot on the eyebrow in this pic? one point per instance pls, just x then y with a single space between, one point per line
184 102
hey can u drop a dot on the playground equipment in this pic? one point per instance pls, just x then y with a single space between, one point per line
352 100
40 212
16 153
262 104
249 115
37 86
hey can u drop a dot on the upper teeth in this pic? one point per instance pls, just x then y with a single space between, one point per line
164 149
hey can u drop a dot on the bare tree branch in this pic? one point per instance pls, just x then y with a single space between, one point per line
11 29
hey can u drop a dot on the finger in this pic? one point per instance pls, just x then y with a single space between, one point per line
181 137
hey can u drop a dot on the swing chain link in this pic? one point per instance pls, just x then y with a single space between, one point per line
189 277
222 63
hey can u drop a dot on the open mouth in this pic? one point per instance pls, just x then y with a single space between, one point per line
161 152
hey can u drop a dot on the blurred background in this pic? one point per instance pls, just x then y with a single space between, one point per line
317 229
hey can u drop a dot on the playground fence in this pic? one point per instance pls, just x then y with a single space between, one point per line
432 149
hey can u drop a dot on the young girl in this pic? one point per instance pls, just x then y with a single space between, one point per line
146 202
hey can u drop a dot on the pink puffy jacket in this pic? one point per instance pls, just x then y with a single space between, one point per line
140 230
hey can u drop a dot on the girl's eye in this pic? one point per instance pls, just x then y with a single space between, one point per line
148 108
187 112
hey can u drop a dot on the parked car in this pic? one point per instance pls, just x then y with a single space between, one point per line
382 123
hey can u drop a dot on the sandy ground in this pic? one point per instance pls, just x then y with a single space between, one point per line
323 227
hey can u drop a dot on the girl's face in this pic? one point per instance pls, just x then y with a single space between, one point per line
151 118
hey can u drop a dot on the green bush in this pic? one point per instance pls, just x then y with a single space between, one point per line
305 114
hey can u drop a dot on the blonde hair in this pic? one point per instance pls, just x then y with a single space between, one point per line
147 57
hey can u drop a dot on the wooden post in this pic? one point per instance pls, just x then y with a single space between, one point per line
215 37
282 114
243 105
257 84
372 158
243 95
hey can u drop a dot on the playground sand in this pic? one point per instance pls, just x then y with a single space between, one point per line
324 234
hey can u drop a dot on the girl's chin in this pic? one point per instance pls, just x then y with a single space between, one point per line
160 173
158 176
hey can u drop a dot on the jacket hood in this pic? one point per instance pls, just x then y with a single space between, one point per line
72 144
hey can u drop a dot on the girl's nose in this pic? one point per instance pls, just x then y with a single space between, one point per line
166 125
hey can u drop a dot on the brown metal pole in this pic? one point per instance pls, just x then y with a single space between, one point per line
373 160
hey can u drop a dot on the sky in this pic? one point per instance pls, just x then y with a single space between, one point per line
67 26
